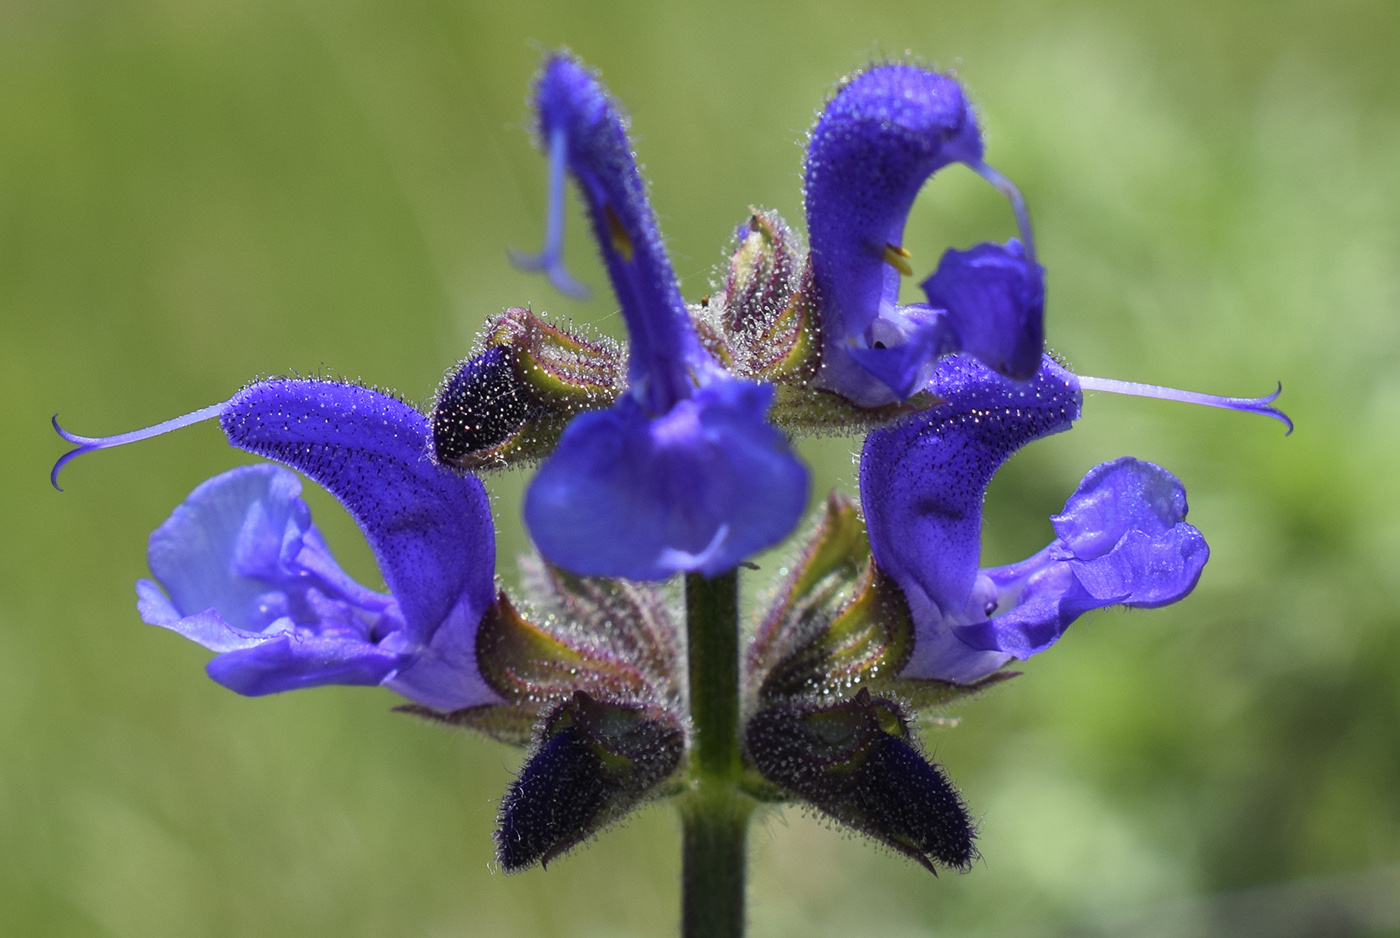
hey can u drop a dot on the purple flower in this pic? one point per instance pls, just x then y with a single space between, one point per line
877 141
245 572
683 473
1121 539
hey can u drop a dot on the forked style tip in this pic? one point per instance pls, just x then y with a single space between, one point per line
550 259
88 444
1249 405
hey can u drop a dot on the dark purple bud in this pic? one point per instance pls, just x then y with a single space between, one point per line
552 804
857 762
594 761
483 402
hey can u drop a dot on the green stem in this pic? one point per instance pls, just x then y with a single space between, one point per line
715 814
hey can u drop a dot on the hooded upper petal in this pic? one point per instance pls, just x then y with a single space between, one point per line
684 473
573 106
875 144
922 482
879 138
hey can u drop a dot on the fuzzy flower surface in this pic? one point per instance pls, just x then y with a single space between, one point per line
670 456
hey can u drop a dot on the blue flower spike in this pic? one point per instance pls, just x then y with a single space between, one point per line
879 139
663 458
684 473
246 574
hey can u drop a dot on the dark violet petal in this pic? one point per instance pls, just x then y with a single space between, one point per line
243 572
665 351
430 528
1049 602
876 142
444 676
1114 498
995 300
1145 570
698 489
1123 541
922 482
299 659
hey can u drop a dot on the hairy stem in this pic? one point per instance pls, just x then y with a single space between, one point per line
715 813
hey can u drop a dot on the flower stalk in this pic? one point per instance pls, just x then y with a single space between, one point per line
715 814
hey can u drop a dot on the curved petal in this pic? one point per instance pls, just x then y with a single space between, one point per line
697 489
206 628
995 299
1123 540
243 543
430 528
879 138
243 572
573 106
903 355
922 482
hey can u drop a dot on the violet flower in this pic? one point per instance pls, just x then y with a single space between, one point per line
1121 539
246 574
683 472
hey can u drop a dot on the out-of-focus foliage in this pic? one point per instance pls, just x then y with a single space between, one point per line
192 194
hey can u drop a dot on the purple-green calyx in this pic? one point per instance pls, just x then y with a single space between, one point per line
660 467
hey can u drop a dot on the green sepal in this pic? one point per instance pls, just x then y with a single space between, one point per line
839 621
766 317
547 376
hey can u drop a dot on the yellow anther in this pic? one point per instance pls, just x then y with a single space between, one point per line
621 242
898 258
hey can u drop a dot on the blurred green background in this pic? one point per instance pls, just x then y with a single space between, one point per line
196 193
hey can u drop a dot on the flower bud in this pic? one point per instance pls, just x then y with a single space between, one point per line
856 761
